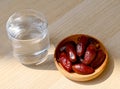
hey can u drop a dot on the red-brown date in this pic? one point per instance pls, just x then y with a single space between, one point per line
100 57
81 45
95 42
65 62
71 52
89 54
82 69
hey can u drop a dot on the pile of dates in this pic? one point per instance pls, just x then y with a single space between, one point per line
82 57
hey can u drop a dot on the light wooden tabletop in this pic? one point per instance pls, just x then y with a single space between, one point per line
99 18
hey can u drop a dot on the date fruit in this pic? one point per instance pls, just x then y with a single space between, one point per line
89 54
82 69
95 42
71 52
65 62
100 57
81 45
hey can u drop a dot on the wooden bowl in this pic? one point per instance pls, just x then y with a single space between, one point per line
74 76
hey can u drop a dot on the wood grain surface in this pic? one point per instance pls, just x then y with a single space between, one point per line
99 18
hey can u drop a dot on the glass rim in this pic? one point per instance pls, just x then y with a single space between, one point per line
24 11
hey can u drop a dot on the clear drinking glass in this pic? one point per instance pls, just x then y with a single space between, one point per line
27 30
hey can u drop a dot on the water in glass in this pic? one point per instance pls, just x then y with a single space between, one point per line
29 36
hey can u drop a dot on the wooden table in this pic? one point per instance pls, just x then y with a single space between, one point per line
99 18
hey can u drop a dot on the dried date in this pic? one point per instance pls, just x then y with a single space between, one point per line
65 62
81 45
71 52
89 54
82 69
100 57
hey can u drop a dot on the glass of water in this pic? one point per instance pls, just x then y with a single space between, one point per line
27 30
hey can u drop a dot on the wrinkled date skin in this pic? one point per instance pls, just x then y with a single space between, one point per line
81 45
65 62
71 52
100 57
89 54
82 69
